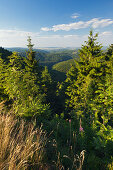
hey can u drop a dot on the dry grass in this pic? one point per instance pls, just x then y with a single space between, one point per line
21 146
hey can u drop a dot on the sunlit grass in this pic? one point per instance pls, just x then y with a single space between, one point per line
21 146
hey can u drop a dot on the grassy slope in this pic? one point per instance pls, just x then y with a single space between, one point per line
63 66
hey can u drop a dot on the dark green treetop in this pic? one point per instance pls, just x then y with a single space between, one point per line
82 78
22 84
30 52
110 50
90 89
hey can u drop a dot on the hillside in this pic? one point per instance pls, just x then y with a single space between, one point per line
51 57
63 66
60 69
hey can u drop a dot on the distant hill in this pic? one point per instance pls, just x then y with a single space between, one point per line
20 49
53 57
63 66
49 58
55 49
60 69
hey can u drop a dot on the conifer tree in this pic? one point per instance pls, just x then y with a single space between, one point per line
30 53
22 84
110 50
83 79
104 100
2 72
90 88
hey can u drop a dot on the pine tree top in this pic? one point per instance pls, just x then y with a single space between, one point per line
30 45
30 53
92 48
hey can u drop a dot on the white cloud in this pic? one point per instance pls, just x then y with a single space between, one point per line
45 29
94 23
18 38
70 40
75 15
59 41
106 38
14 33
15 38
102 23
106 33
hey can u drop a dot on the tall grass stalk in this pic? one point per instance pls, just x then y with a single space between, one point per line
21 146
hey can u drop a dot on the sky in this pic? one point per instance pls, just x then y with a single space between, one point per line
55 23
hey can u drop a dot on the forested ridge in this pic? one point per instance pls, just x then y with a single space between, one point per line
48 57
51 122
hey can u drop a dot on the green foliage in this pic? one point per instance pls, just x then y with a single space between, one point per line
48 58
30 53
2 70
90 93
4 54
3 65
23 88
46 78
84 77
48 87
86 123
22 83
60 69
109 51
63 66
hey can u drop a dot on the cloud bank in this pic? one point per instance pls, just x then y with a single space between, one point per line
15 38
94 23
18 38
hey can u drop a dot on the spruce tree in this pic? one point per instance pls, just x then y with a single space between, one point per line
110 50
83 78
104 100
31 53
22 83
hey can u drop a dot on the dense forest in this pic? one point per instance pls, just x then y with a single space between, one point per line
56 108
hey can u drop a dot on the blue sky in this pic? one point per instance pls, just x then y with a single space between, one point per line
55 23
